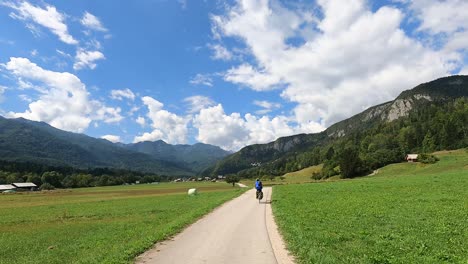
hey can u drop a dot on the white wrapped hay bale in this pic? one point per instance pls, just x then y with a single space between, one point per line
192 191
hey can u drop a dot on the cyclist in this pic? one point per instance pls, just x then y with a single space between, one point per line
259 187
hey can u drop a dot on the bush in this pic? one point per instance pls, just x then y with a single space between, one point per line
46 186
233 179
329 169
54 178
316 176
428 159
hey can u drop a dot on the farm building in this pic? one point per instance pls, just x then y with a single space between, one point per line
412 157
7 187
25 186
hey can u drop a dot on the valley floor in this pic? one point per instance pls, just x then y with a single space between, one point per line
102 224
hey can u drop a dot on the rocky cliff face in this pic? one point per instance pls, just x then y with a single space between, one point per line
402 107
286 144
386 112
375 112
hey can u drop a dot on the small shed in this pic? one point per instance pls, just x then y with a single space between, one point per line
25 186
7 187
412 157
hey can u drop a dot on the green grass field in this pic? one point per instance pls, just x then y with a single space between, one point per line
406 213
301 176
100 225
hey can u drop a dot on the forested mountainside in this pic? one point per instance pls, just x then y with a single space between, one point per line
432 116
23 140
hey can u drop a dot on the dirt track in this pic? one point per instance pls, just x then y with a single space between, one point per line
240 231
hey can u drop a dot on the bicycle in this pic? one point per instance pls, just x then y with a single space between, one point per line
259 195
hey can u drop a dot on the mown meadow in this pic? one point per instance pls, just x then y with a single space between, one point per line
102 224
405 213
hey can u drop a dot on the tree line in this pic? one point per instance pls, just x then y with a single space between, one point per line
49 177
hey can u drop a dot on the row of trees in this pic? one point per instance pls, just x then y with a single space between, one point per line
68 177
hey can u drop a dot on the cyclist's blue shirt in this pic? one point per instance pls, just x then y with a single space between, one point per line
258 185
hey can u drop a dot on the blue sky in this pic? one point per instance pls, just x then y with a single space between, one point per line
228 73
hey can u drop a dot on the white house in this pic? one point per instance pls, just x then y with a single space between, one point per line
411 157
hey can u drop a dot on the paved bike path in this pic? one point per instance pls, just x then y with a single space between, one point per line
236 232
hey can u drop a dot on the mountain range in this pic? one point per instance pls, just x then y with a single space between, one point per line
195 157
22 140
431 116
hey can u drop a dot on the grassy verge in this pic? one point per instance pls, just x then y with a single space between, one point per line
100 225
406 213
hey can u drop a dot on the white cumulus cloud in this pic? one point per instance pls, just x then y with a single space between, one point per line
87 59
166 126
121 94
47 17
63 100
234 131
92 22
258 80
112 138
220 52
203 79
217 128
198 102
445 21
2 91
267 106
141 121
438 16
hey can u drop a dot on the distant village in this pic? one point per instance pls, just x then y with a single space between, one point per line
192 179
